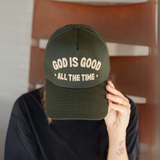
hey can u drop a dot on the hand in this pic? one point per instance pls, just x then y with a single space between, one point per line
118 115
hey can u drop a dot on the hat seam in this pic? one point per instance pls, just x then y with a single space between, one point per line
84 29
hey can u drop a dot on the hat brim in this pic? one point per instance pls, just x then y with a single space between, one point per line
83 104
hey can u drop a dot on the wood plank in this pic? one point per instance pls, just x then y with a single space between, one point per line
135 23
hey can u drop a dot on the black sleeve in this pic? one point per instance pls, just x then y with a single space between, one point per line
132 138
20 142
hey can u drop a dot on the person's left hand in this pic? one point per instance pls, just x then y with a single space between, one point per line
118 115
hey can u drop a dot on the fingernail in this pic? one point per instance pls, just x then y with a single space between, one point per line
107 87
110 82
107 96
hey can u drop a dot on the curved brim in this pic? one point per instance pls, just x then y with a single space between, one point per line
83 104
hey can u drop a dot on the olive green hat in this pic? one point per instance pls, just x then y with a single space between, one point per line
76 67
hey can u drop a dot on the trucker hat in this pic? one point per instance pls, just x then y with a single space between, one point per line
76 67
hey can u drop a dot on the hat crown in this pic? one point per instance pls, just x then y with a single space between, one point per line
76 56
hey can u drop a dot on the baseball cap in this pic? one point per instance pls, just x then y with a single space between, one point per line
76 67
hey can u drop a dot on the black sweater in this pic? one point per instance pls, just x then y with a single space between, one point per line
29 137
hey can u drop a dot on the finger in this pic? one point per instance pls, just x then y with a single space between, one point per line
110 82
117 99
124 111
114 91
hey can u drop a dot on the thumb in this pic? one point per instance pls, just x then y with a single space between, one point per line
109 108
